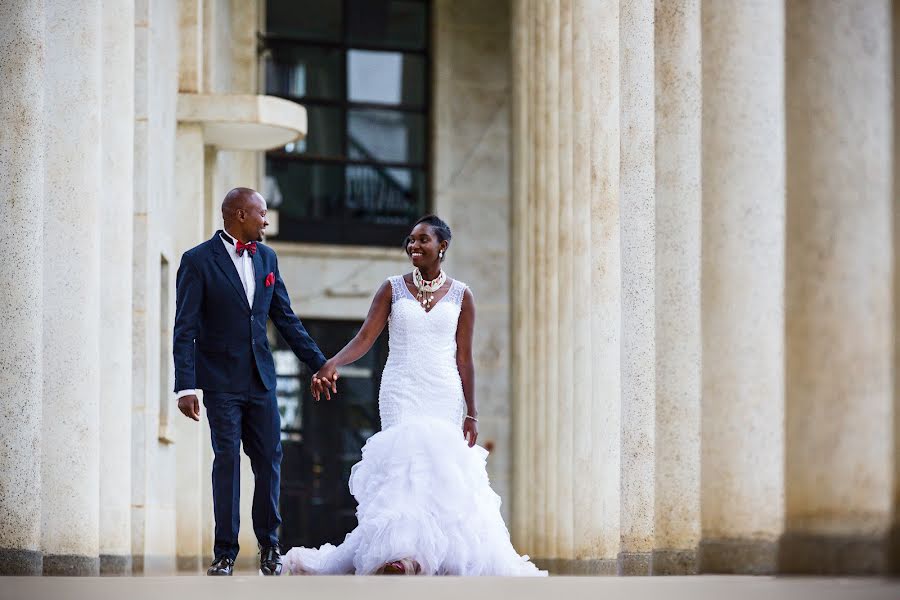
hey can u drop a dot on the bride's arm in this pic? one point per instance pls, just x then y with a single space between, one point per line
465 331
361 342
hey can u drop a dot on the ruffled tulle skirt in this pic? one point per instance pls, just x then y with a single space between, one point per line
423 494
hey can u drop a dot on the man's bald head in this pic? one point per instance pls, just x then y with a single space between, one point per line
236 199
244 214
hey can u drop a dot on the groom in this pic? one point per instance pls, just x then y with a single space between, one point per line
226 289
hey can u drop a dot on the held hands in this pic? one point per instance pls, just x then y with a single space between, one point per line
190 407
470 431
324 382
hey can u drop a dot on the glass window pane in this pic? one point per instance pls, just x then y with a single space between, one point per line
386 135
386 196
304 71
386 77
388 23
289 395
325 135
310 19
303 190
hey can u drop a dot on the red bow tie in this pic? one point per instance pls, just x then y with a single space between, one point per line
249 246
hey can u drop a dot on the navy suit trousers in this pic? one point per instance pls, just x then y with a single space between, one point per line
250 417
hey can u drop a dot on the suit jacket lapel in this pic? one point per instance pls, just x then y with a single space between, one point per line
225 263
258 276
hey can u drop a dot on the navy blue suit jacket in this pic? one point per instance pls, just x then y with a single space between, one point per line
219 339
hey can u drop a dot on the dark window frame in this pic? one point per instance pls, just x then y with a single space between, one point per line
344 230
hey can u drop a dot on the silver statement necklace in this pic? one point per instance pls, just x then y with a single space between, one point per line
427 288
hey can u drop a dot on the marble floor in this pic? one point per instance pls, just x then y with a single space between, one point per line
449 588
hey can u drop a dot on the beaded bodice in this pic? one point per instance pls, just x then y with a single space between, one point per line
421 377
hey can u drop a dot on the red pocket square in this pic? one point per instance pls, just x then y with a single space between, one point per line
270 279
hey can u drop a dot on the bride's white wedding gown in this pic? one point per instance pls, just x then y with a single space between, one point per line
422 492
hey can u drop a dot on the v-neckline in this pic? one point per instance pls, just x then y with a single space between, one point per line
409 295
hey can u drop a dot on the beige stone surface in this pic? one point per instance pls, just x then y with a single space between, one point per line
71 280
336 285
550 157
541 278
116 243
244 121
22 68
191 45
839 386
743 271
638 230
582 413
678 200
520 289
606 278
895 558
565 237
153 493
532 233
242 30
188 435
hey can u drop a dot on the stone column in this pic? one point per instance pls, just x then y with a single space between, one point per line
742 491
190 26
540 278
534 533
550 158
603 20
677 488
638 274
243 66
71 449
116 238
189 169
142 177
583 488
894 544
22 68
839 368
565 548
521 283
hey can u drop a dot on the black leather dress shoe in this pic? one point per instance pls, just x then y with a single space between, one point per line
269 560
221 566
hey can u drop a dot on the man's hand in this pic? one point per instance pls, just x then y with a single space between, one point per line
324 381
189 407
470 431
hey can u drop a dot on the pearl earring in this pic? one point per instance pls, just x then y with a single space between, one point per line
441 255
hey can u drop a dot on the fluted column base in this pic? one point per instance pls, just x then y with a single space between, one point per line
738 556
71 565
674 562
115 564
633 564
189 564
14 561
565 566
894 551
818 554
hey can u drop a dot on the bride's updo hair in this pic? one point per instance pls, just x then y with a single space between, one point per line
441 230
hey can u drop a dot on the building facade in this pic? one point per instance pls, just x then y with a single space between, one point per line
678 220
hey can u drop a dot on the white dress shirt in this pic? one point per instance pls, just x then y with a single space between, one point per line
244 266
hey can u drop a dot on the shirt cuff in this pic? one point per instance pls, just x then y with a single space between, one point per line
184 393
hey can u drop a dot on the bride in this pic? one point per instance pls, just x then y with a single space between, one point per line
424 502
